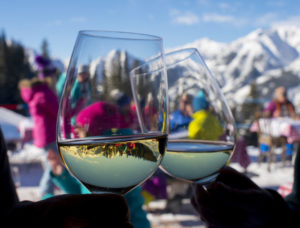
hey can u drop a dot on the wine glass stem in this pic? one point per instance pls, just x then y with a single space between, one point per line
194 187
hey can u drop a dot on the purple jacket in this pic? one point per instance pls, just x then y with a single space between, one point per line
276 109
43 107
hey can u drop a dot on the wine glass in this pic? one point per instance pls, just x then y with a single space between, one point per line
201 126
100 138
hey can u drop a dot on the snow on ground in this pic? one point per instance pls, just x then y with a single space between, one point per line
278 175
27 169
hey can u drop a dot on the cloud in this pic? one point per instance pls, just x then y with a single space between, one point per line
273 3
266 19
273 19
218 18
73 20
184 18
78 19
190 18
204 2
224 6
291 21
57 22
224 18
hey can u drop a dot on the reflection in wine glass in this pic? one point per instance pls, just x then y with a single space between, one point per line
201 127
99 135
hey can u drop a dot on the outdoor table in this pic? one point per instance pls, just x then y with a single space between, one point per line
276 127
274 132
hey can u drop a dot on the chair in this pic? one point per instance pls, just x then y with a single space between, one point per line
268 143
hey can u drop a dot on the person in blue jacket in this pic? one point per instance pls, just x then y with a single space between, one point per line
181 118
82 86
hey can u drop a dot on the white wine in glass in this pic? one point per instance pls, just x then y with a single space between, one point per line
101 139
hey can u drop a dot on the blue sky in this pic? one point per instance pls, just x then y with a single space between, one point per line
177 21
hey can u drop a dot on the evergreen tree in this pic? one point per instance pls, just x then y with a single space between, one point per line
13 67
3 69
116 72
117 76
45 48
18 68
251 107
105 91
3 50
125 77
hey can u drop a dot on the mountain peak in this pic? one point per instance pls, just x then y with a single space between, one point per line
208 48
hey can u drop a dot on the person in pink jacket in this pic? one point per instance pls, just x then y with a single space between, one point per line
43 107
97 119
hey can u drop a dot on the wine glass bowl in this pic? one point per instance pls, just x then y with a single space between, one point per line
100 136
201 127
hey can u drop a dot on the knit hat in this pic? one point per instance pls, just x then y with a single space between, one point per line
120 98
123 100
44 66
83 69
200 101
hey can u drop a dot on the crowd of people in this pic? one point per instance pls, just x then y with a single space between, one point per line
42 95
232 200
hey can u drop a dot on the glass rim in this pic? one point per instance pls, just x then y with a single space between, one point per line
111 34
189 52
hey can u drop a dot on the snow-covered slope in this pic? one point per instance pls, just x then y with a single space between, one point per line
266 57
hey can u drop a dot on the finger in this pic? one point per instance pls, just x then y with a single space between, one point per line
216 213
251 208
249 199
212 213
92 208
199 192
205 205
97 210
110 203
206 214
235 179
217 205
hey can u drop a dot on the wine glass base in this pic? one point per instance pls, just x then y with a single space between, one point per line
204 182
207 180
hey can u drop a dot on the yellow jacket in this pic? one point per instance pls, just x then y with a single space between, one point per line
205 126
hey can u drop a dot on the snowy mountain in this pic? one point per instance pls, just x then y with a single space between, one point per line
268 58
114 63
